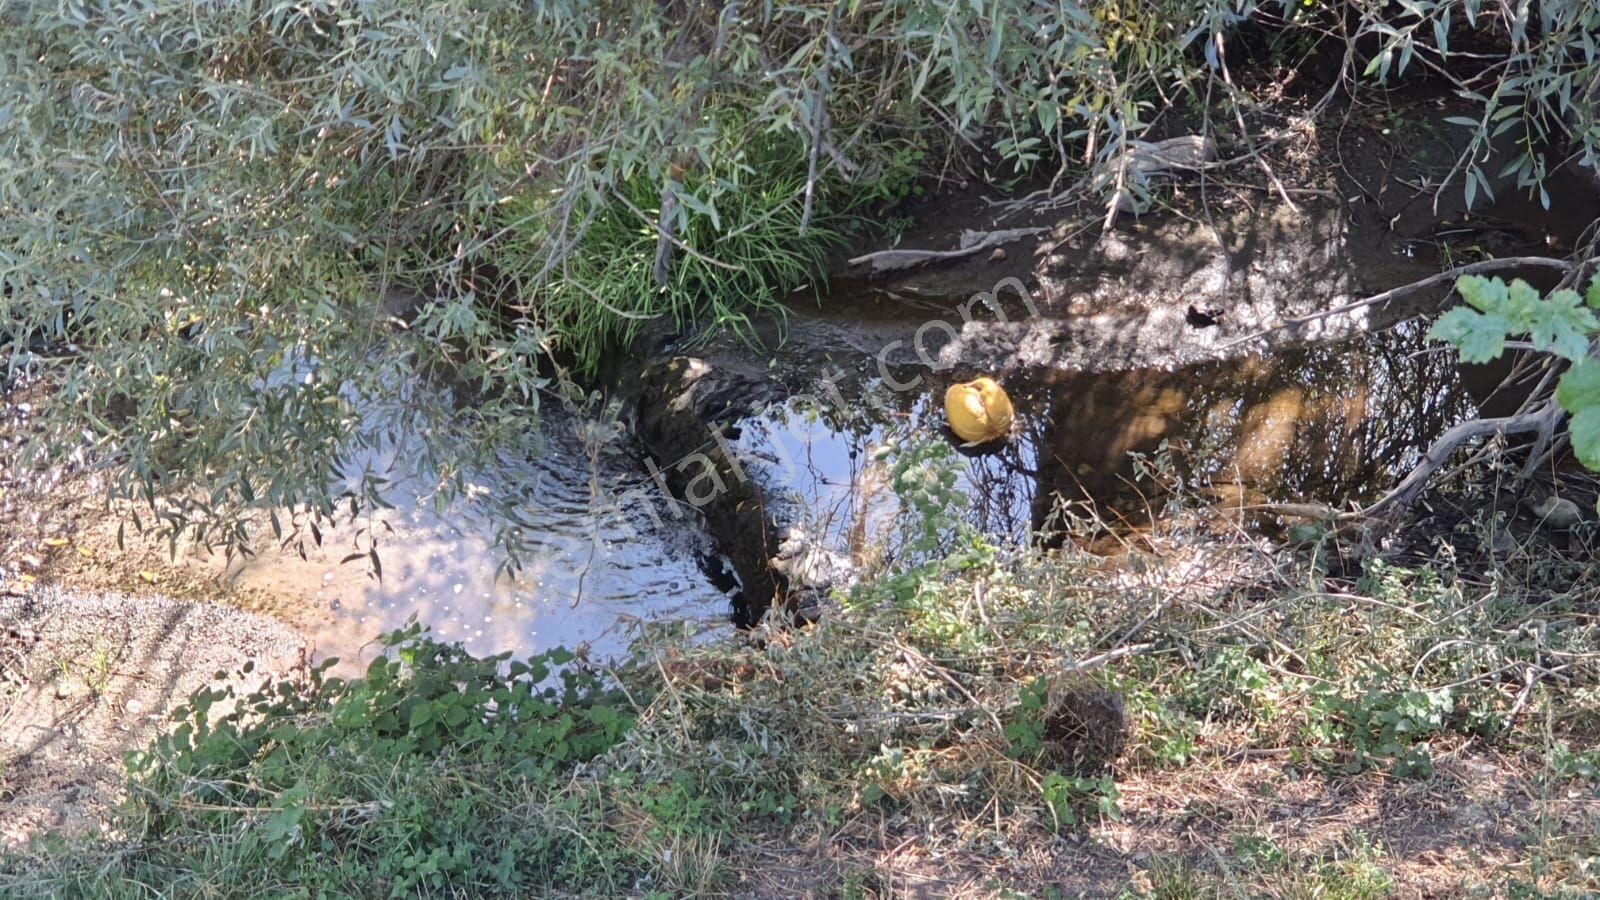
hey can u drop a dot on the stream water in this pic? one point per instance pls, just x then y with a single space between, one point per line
590 569
1327 423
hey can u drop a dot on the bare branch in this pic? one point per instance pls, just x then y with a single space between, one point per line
888 260
1487 265
1537 420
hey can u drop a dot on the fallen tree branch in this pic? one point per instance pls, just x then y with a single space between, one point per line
1539 419
1487 265
890 260
1539 414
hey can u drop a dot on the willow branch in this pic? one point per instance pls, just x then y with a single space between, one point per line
1448 275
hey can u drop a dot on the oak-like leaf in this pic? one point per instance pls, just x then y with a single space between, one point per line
1584 429
1479 337
1561 325
1580 387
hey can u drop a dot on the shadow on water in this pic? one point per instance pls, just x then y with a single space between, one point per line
1333 423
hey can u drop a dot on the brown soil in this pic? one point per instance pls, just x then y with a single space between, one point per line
1465 831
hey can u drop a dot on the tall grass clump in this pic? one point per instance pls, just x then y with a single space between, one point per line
755 248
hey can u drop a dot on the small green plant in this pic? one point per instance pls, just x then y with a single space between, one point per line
1566 762
1381 722
93 670
1168 734
924 475
1072 799
1235 685
388 784
1026 729
1260 853
935 546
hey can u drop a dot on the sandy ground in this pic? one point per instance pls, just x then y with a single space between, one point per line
86 678
91 670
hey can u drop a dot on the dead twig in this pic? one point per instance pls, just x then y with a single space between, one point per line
1100 659
1244 130
889 260
670 238
1407 490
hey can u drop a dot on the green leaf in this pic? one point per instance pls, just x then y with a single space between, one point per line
1479 337
1561 325
1487 294
1580 387
1585 432
1522 306
1593 297
420 715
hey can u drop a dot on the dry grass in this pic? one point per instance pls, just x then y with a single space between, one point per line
1392 732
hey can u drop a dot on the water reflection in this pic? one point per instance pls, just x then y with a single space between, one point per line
1329 423
590 565
825 464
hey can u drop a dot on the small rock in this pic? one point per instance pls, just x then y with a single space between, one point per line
1189 153
811 571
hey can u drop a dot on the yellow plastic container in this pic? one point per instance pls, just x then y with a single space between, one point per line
978 410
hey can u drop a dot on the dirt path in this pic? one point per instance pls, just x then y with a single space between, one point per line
95 652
